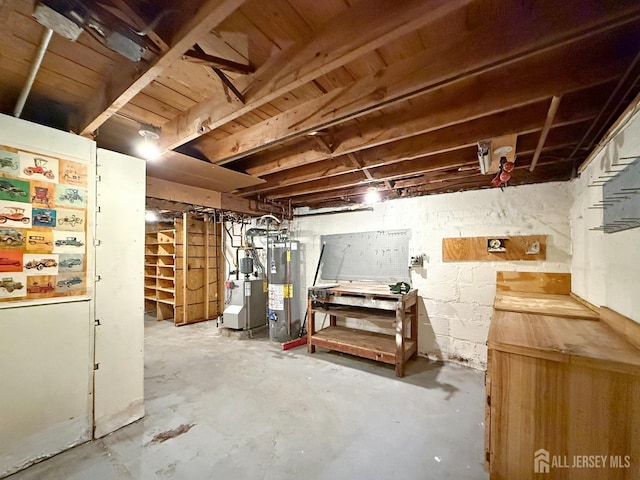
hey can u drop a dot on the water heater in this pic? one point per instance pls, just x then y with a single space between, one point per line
284 290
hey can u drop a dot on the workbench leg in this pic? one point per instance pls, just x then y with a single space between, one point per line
400 331
311 326
332 320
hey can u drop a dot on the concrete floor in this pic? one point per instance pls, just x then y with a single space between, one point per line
224 408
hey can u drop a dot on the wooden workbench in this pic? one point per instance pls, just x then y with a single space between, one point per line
370 302
561 379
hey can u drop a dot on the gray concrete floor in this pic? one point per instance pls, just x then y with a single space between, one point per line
223 408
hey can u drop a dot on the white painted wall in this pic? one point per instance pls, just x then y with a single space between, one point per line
46 352
457 297
605 269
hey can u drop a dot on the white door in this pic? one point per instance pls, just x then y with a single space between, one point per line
119 292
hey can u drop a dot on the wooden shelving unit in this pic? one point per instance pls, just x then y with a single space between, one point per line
369 302
183 279
159 273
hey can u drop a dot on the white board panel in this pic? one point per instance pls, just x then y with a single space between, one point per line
46 351
119 294
381 256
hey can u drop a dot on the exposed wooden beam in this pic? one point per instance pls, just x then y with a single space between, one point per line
338 167
361 29
529 82
132 15
483 52
358 164
452 157
228 85
178 192
322 143
546 172
126 82
168 205
197 55
551 114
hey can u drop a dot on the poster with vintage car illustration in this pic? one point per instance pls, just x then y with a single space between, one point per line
13 285
68 242
10 261
38 264
71 196
38 167
39 241
42 195
12 238
69 282
44 217
9 162
70 220
14 190
41 286
15 214
43 226
73 173
70 263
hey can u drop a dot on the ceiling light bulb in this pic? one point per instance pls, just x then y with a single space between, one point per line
372 196
148 148
150 216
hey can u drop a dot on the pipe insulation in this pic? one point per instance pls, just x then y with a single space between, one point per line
35 66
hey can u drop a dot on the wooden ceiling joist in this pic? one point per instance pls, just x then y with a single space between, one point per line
363 28
551 114
483 95
477 53
127 81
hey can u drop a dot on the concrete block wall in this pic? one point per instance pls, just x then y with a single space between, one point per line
456 297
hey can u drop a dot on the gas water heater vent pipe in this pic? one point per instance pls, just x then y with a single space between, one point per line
35 66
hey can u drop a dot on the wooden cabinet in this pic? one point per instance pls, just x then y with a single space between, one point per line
368 302
563 387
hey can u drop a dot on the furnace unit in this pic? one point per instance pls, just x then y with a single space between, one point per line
247 304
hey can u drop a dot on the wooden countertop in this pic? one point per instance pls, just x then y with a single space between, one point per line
578 341
544 304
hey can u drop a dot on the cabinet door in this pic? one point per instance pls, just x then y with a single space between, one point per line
119 338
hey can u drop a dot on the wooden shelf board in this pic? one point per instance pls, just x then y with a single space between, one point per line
165 278
153 299
543 304
169 290
375 346
167 301
356 312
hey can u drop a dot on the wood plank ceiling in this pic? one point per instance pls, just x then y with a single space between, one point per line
327 99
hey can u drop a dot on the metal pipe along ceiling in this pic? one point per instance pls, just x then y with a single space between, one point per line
35 66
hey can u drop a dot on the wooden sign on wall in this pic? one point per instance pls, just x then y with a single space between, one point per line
529 247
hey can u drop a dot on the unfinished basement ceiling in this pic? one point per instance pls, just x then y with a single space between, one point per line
334 97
